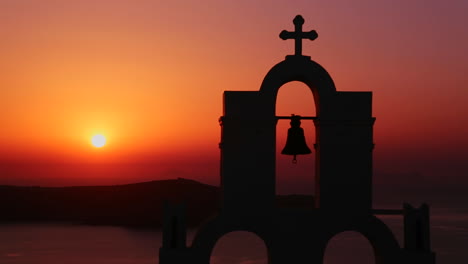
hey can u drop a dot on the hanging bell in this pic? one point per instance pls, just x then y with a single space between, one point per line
295 143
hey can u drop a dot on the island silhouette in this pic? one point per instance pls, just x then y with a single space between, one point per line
138 205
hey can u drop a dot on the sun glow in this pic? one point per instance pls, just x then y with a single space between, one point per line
98 141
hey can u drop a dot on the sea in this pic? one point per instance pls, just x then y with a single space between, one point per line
79 244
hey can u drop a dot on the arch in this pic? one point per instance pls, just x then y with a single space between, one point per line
302 96
385 246
239 246
349 247
300 69
211 232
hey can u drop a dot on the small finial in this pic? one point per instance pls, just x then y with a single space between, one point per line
298 20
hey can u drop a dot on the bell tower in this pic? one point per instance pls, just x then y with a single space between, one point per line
344 143
343 157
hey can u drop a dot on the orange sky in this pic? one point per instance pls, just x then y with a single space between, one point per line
150 75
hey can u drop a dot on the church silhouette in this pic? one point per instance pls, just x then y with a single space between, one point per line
343 176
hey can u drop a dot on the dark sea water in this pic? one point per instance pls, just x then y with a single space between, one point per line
75 244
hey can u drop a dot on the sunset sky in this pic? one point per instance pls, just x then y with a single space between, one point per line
149 75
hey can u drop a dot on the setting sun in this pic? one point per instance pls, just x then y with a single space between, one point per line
98 141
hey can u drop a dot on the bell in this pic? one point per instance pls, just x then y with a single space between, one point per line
295 143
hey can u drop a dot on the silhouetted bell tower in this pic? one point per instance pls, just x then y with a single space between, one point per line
343 149
344 143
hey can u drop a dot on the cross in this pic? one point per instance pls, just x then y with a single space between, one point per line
298 34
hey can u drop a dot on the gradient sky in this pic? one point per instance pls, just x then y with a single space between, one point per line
149 75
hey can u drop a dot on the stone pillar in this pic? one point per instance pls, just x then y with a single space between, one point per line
344 154
174 249
174 226
417 248
417 232
247 154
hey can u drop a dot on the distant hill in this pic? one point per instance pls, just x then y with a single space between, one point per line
137 205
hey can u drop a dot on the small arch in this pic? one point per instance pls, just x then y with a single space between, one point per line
239 247
384 244
295 97
211 232
349 247
300 69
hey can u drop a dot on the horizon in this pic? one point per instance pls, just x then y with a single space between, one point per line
150 77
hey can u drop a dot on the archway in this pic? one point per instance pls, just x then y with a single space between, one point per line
239 247
292 179
349 247
368 235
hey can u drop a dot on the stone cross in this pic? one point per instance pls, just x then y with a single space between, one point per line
298 34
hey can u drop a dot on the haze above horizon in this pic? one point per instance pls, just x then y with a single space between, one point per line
149 76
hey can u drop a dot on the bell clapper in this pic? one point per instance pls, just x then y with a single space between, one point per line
294 161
